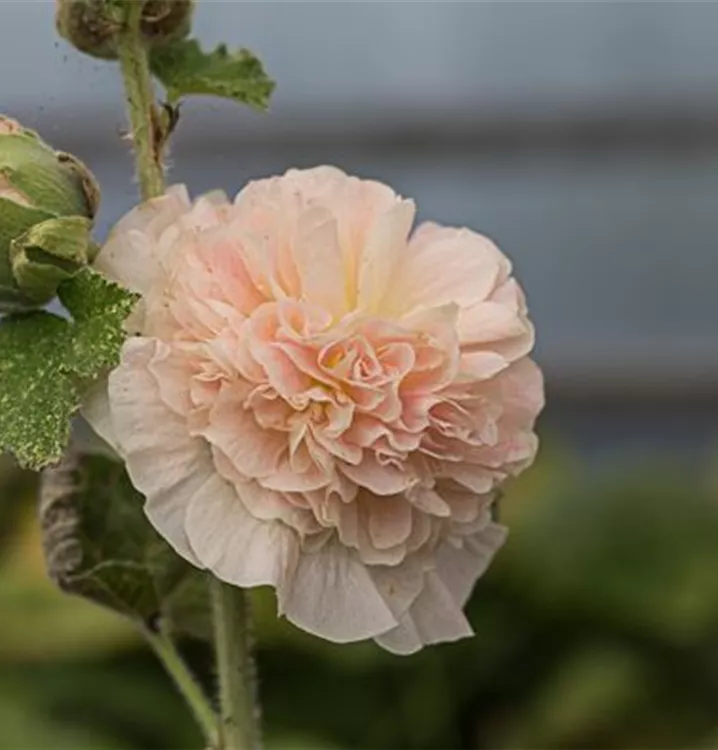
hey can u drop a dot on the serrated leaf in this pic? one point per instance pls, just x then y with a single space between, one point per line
183 68
100 545
45 361
98 307
37 398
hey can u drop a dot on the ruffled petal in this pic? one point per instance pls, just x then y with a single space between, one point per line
520 391
253 451
233 544
460 568
96 411
319 261
434 617
400 584
389 521
490 321
376 477
403 639
333 596
445 265
131 253
164 463
381 254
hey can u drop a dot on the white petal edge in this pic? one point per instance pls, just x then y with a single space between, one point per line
96 411
334 597
399 585
164 463
237 547
436 614
434 617
129 256
460 568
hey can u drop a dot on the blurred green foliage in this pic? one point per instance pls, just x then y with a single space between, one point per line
597 627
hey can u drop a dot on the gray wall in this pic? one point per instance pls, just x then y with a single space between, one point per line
583 137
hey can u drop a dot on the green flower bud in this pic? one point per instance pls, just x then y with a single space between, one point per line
48 200
90 25
93 25
165 21
49 253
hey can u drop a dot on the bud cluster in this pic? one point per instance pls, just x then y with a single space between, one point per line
48 200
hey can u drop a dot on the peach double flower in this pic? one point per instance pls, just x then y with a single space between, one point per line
316 400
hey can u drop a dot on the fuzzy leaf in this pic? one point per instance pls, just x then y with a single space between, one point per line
99 308
183 68
100 545
36 396
45 361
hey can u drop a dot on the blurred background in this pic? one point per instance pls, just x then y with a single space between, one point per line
583 138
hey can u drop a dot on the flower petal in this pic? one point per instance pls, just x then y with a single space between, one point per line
460 568
434 617
233 544
164 463
319 261
389 521
253 451
96 410
445 265
491 321
400 584
333 596
130 255
403 639
376 477
381 254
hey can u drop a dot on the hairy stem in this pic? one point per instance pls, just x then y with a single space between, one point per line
141 105
239 725
193 694
144 122
237 680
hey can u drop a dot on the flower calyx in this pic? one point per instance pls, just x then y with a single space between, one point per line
48 201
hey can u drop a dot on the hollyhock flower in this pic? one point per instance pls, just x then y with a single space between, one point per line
316 400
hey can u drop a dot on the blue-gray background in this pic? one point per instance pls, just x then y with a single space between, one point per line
583 138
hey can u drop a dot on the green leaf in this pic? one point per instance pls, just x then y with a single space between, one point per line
98 307
46 360
37 398
100 545
183 68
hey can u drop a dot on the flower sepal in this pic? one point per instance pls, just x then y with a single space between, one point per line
48 254
48 200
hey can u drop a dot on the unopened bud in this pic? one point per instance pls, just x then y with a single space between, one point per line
93 26
166 20
48 200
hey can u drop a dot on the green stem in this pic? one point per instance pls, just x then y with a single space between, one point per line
167 653
237 680
141 105
144 123
239 727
